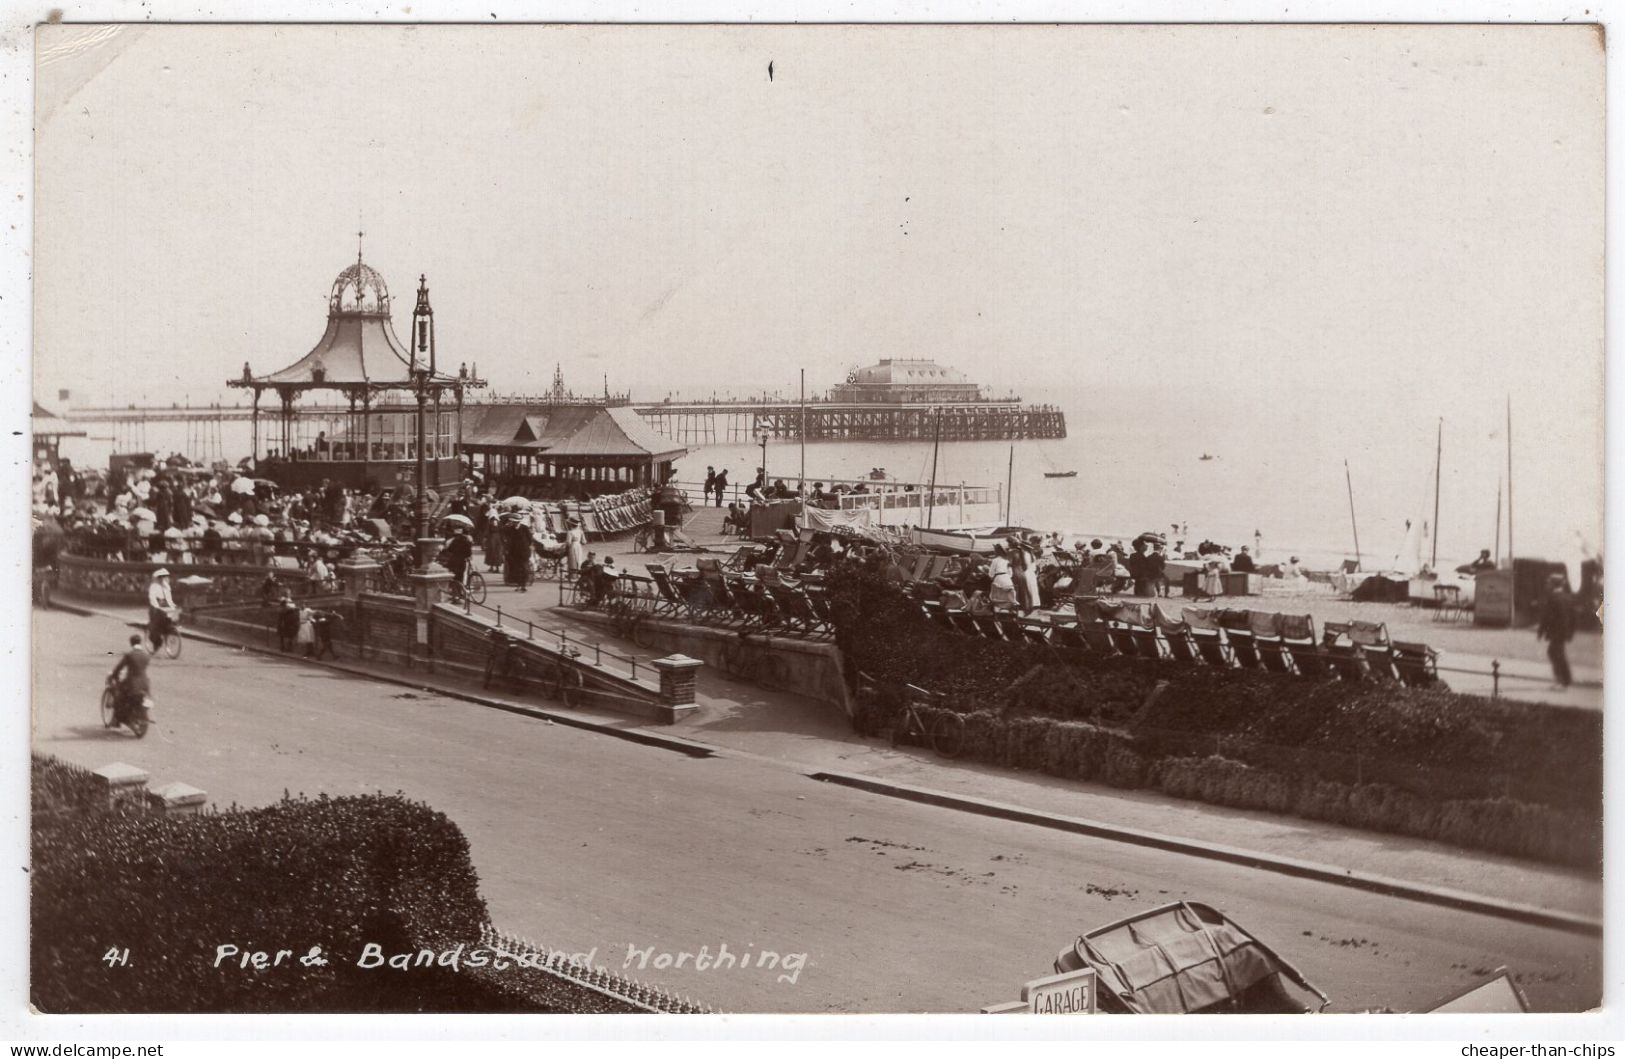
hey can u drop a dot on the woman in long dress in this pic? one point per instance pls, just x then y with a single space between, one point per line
307 630
1002 589
492 545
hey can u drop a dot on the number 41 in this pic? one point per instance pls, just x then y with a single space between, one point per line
117 957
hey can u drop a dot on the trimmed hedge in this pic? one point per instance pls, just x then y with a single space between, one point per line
333 872
1513 777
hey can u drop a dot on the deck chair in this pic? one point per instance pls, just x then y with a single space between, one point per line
1416 663
741 559
1308 657
1269 642
1092 627
1177 635
1036 631
922 563
1209 637
1238 630
989 624
1137 620
1344 656
668 599
790 602
719 598
964 622
1065 638
1371 638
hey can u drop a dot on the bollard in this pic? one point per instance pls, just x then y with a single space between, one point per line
598 653
1495 674
530 630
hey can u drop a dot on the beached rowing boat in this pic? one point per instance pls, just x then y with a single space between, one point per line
1060 474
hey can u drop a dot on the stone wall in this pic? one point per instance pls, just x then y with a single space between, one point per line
113 581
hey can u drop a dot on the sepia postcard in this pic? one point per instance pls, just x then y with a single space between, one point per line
1066 519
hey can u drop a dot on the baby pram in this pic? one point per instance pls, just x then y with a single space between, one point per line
546 557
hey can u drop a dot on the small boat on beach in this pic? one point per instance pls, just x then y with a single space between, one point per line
965 541
1060 474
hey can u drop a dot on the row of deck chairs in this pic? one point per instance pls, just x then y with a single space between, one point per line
717 596
1223 638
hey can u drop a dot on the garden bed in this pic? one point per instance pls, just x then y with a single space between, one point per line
1514 777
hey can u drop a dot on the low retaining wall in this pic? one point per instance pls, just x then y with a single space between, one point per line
116 581
807 667
381 628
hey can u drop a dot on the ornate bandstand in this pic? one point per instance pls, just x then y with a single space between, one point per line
388 403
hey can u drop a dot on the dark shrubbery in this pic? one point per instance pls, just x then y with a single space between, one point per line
1515 777
58 789
333 872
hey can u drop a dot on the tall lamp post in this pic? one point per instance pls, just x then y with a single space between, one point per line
423 365
763 441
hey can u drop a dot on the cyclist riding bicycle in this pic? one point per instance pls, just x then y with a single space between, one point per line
457 553
129 676
162 613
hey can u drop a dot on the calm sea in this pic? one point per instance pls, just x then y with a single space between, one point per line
1277 471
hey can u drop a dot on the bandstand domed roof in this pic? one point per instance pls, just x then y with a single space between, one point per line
359 346
359 289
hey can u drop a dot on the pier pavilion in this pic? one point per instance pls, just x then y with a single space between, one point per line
372 439
567 450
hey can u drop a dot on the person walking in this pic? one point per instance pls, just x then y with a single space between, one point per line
720 486
307 631
575 547
516 553
287 624
710 483
1557 627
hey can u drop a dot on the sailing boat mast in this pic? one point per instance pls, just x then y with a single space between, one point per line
1512 592
1438 464
1352 520
1497 520
1009 485
936 446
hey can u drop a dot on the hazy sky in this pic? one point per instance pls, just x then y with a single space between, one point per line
1408 216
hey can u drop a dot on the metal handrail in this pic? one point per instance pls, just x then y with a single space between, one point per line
564 638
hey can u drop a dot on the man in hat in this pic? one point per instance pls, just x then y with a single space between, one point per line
129 676
1557 627
1243 563
162 613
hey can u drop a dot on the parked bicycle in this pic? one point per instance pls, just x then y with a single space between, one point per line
504 662
562 680
945 734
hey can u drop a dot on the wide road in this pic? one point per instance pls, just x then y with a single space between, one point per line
586 842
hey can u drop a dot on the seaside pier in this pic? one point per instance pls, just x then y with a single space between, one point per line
744 421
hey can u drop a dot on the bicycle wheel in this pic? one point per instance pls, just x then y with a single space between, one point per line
172 644
109 707
547 569
564 683
475 588
138 725
908 728
948 735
